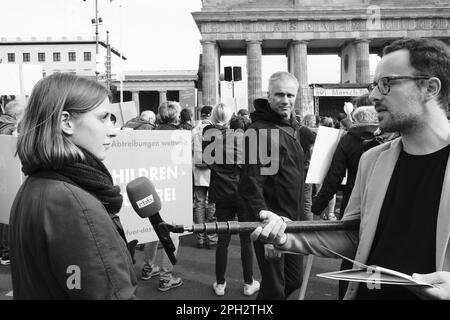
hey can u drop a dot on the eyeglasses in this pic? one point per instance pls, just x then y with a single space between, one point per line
384 84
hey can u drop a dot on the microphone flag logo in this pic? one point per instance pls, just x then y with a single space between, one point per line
145 202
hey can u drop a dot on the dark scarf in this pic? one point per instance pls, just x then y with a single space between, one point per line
90 175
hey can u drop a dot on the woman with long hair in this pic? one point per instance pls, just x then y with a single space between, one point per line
66 239
223 191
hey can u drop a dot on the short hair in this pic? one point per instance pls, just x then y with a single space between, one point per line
365 115
42 142
430 57
307 120
186 115
341 116
243 112
148 115
327 122
282 75
169 111
205 111
221 114
239 122
14 109
362 100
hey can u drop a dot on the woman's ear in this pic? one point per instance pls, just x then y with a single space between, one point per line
66 123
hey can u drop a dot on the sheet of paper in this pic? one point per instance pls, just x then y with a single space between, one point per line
364 275
371 274
326 142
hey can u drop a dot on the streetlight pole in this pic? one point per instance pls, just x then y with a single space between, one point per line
96 38
121 49
234 99
108 61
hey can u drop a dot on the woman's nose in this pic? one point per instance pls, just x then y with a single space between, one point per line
112 132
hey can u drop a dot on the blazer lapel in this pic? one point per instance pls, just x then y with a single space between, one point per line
375 193
443 224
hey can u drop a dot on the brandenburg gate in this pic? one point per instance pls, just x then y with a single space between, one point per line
350 28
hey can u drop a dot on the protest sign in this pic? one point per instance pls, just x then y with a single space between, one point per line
10 175
165 158
326 142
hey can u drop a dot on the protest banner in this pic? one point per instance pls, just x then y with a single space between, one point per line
326 143
165 158
10 175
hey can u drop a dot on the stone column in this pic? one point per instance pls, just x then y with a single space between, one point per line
135 98
254 63
290 57
209 73
162 96
362 61
199 101
303 105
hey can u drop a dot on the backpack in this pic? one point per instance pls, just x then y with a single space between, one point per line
374 141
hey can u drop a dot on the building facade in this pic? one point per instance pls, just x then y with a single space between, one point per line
69 55
350 28
148 89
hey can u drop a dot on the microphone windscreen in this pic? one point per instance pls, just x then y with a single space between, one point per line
143 197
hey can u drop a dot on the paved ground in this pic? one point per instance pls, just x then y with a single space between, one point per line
196 267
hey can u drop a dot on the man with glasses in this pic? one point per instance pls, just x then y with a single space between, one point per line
402 189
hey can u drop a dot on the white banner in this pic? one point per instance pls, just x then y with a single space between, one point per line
165 158
10 175
340 92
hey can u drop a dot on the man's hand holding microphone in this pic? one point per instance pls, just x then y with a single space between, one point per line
272 233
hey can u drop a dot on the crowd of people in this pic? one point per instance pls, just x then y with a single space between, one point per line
394 153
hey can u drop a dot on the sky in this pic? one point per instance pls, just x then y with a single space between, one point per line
152 34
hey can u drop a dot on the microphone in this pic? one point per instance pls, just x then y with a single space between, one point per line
147 204
234 227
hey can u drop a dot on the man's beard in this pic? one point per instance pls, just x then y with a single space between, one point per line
400 123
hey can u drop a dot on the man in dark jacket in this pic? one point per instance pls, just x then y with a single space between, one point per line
280 190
